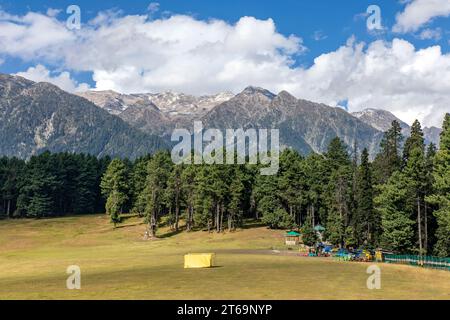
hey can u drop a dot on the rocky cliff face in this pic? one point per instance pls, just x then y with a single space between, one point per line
39 116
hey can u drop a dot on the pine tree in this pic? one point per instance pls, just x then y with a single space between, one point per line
441 196
138 179
291 180
338 191
429 219
11 174
235 206
40 184
415 169
267 200
114 205
158 170
338 205
415 140
395 206
389 160
337 155
115 188
174 195
316 180
205 202
189 191
366 222
85 193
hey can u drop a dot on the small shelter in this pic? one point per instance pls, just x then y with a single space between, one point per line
292 238
199 260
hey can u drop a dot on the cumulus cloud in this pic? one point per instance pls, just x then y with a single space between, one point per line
134 53
33 36
412 84
63 80
419 12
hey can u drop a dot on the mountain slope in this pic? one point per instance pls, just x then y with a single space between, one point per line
379 119
382 120
304 125
39 116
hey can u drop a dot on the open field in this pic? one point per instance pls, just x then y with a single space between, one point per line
117 264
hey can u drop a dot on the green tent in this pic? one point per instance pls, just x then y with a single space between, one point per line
292 234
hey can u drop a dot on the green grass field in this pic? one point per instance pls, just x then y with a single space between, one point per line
118 264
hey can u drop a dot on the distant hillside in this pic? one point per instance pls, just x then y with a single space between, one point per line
39 116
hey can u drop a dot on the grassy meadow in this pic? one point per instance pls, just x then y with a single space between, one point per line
118 264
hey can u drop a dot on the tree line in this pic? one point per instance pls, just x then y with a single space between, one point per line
49 185
399 201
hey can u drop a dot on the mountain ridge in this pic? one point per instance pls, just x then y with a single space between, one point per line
36 117
126 125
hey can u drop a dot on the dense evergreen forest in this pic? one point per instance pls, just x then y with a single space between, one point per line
50 185
400 201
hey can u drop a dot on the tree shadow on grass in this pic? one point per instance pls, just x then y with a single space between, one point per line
171 233
253 224
130 225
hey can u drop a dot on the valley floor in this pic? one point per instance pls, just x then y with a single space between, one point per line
118 264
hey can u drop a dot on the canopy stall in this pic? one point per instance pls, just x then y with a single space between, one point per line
292 238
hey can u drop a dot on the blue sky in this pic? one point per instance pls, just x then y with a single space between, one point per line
334 21
303 31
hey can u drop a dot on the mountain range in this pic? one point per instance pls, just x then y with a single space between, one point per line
35 117
304 125
39 116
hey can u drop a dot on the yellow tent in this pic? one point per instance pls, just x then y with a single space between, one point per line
199 260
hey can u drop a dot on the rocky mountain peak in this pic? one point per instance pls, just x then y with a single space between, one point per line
379 119
382 121
258 91
286 98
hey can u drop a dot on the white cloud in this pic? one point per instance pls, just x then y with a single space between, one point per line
412 84
431 34
153 7
419 12
51 12
33 36
136 54
63 80
133 54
